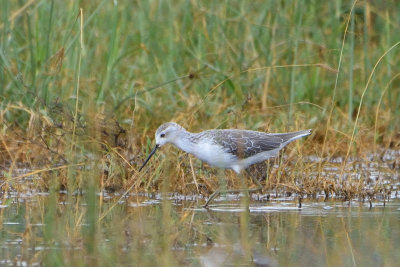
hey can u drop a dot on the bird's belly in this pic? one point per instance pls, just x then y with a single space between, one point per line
214 155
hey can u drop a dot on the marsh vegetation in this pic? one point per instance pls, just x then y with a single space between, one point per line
84 85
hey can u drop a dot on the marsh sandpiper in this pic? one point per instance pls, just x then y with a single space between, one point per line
227 149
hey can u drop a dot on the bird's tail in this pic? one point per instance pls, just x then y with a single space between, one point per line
290 137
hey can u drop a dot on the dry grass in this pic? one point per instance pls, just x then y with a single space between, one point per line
116 151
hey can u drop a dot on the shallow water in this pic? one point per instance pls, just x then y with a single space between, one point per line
101 229
267 233
318 234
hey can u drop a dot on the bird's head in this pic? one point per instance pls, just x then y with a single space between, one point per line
166 133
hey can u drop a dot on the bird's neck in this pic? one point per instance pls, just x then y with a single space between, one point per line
183 142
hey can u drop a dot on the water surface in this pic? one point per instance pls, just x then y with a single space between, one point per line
144 230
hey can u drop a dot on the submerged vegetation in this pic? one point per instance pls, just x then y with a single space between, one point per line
84 85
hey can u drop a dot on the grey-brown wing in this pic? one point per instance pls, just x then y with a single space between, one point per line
245 144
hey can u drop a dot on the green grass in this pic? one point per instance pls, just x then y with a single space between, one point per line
130 47
90 89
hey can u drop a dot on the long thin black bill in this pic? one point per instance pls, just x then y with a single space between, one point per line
150 155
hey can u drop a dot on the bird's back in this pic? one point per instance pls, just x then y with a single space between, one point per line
245 143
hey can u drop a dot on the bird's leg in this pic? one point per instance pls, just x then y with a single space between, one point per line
235 191
221 182
212 196
246 199
255 180
259 186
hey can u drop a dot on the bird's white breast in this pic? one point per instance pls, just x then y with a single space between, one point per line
213 154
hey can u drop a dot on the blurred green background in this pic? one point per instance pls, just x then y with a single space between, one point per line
204 64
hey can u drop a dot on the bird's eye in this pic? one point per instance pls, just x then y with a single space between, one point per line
162 135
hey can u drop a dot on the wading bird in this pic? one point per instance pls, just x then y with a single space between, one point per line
227 149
